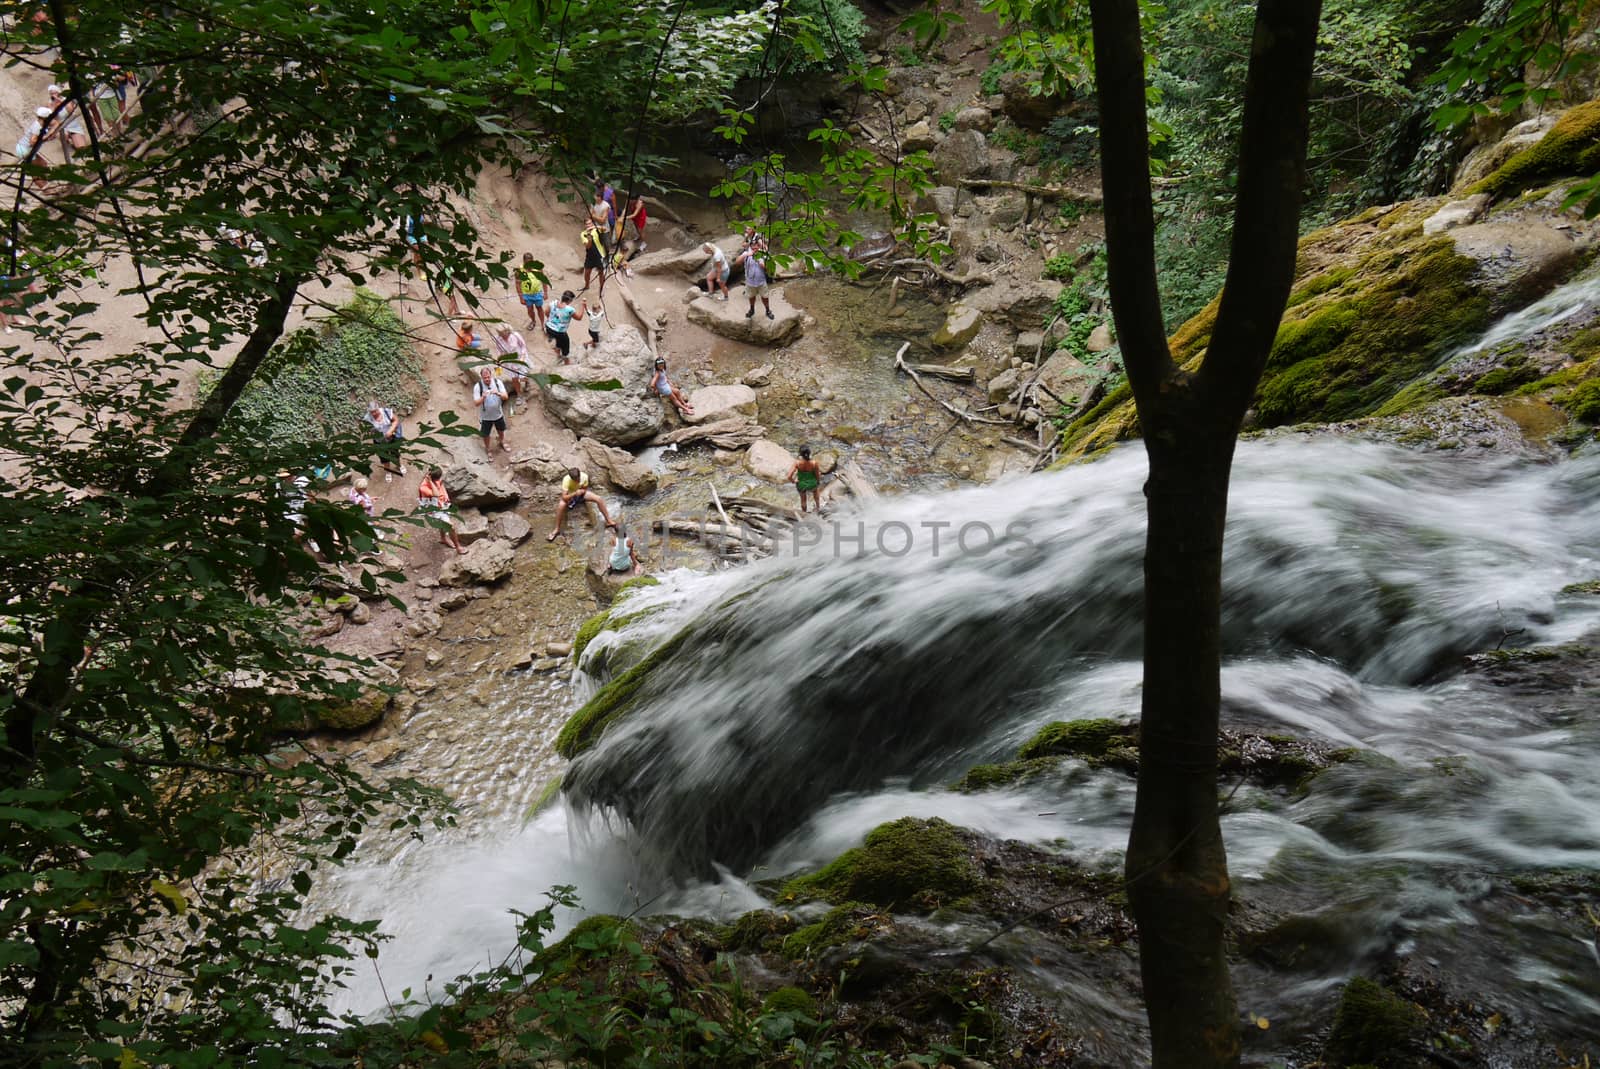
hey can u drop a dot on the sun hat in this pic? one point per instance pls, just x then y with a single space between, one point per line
45 113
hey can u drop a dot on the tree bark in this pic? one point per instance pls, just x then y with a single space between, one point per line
1176 868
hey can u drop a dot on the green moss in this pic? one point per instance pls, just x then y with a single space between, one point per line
1583 403
840 925
1504 379
1591 587
551 792
757 930
614 700
1314 335
987 777
1077 738
636 582
791 1000
1372 1026
904 863
1319 283
598 937
1571 148
1566 378
351 715
588 631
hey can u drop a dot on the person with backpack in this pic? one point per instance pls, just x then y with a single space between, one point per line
489 397
755 277
390 435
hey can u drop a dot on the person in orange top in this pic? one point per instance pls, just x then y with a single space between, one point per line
433 501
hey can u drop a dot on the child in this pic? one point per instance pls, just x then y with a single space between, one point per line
594 314
660 384
533 289
467 338
807 478
624 554
433 501
359 497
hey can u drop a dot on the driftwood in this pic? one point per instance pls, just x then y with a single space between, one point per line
900 362
1018 443
1047 192
735 432
946 371
758 506
855 480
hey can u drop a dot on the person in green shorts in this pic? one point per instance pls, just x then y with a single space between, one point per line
807 478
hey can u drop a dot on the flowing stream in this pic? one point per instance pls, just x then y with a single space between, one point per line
844 684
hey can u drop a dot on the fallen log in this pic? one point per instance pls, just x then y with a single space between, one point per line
732 433
900 362
1047 192
649 324
947 371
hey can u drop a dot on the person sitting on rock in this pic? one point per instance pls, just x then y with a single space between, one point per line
433 501
575 493
662 386
755 278
624 554
807 478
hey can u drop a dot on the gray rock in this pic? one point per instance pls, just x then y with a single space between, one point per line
1099 339
689 262
964 154
1484 160
474 482
1006 210
540 464
941 200
1001 386
451 600
989 253
728 319
918 137
1027 345
618 467
1064 376
423 622
558 649
826 460
471 526
619 416
485 562
711 403
758 376
1518 260
1022 106
974 118
1024 303
510 527
1456 214
769 460
961 325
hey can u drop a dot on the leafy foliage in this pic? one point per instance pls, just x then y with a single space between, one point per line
1488 68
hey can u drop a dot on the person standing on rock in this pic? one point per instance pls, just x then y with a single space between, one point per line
489 398
592 313
638 218
807 478
390 435
594 255
556 324
575 493
717 277
755 278
663 387
533 289
433 501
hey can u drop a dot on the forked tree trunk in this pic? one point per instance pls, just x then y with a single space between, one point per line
1177 866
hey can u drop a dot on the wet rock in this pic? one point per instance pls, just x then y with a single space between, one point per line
1100 339
540 464
769 460
1022 105
354 715
964 154
712 403
961 325
590 404
758 376
729 319
471 526
1375 1026
1002 385
618 467
510 527
603 583
1518 260
974 118
485 562
474 482
1457 213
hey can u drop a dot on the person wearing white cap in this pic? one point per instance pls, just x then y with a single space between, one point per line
71 122
34 136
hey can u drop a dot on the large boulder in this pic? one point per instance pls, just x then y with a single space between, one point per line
690 263
918 137
1023 106
728 318
964 154
711 403
471 526
1519 259
618 467
1488 158
769 460
961 325
539 463
484 562
473 482
587 402
510 528
1065 377
1023 303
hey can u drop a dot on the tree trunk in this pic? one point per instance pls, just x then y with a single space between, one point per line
1176 865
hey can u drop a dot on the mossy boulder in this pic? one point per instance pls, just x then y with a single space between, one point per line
1080 738
353 715
1373 1026
1571 147
760 929
609 618
791 1000
613 701
907 864
850 922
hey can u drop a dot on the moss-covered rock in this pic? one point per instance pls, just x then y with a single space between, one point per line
760 929
1584 402
1373 1026
609 619
613 700
352 715
905 864
1079 738
791 1000
843 924
1571 147
587 632
987 777
1590 587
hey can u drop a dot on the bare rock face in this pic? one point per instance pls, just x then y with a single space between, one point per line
618 467
964 154
604 397
1457 213
539 464
474 482
1487 158
484 562
729 319
769 460
510 527
1519 259
712 403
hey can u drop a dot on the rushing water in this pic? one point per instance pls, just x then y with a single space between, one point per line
827 690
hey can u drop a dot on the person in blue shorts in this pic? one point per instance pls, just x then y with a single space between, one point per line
533 290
